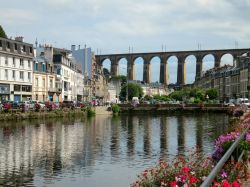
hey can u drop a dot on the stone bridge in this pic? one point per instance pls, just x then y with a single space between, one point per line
164 56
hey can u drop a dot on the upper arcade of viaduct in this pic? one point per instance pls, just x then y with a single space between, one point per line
164 56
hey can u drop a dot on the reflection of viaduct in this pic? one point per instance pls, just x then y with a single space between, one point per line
164 56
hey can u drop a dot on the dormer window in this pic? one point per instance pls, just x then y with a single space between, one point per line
8 45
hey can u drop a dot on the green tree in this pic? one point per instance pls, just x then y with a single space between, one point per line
177 95
2 33
212 93
134 90
121 78
106 71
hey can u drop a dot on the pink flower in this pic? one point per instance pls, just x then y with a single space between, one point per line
163 184
248 137
224 174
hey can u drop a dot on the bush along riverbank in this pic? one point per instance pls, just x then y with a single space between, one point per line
192 170
36 114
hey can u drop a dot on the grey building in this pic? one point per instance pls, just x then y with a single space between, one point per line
231 82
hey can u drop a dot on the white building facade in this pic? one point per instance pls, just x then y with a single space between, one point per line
68 73
16 70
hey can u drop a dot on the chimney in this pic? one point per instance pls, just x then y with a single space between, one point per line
73 47
19 38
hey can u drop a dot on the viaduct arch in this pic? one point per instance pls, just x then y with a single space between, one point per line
164 56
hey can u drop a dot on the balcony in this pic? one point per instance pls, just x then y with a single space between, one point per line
55 90
85 93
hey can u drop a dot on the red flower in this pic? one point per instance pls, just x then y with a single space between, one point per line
193 179
225 183
185 169
173 183
236 184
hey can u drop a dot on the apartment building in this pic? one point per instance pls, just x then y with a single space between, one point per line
44 88
95 83
231 82
16 69
68 84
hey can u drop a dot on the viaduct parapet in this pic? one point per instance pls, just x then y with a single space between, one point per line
164 56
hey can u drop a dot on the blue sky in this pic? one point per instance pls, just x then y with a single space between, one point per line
113 25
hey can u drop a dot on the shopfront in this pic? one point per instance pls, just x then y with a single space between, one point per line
4 92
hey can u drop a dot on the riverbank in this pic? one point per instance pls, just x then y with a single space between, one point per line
163 108
57 113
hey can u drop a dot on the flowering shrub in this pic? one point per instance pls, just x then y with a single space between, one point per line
37 107
6 107
239 111
223 143
191 171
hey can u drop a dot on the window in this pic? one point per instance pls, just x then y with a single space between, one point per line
6 74
44 67
1 44
21 75
43 97
8 45
43 82
14 62
29 63
36 81
36 96
29 76
13 74
21 62
36 66
23 49
31 50
17 88
15 46
51 83
26 88
58 71
6 61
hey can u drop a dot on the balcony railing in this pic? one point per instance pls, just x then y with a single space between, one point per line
55 90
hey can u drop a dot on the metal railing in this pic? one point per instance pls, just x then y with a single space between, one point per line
224 159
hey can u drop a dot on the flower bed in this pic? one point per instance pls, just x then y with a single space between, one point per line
193 169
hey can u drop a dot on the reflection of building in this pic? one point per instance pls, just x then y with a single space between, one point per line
231 82
15 69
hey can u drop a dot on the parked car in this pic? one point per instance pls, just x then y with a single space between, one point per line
50 105
68 104
80 105
244 101
42 104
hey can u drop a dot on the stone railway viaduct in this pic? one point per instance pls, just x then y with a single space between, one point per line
164 56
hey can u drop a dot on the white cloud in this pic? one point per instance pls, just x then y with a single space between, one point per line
113 25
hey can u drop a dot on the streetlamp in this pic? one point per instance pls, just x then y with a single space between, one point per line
207 98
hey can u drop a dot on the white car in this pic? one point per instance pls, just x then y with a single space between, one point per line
42 105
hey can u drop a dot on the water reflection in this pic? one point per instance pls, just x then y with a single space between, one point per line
72 151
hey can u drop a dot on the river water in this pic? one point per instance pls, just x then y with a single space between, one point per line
100 151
